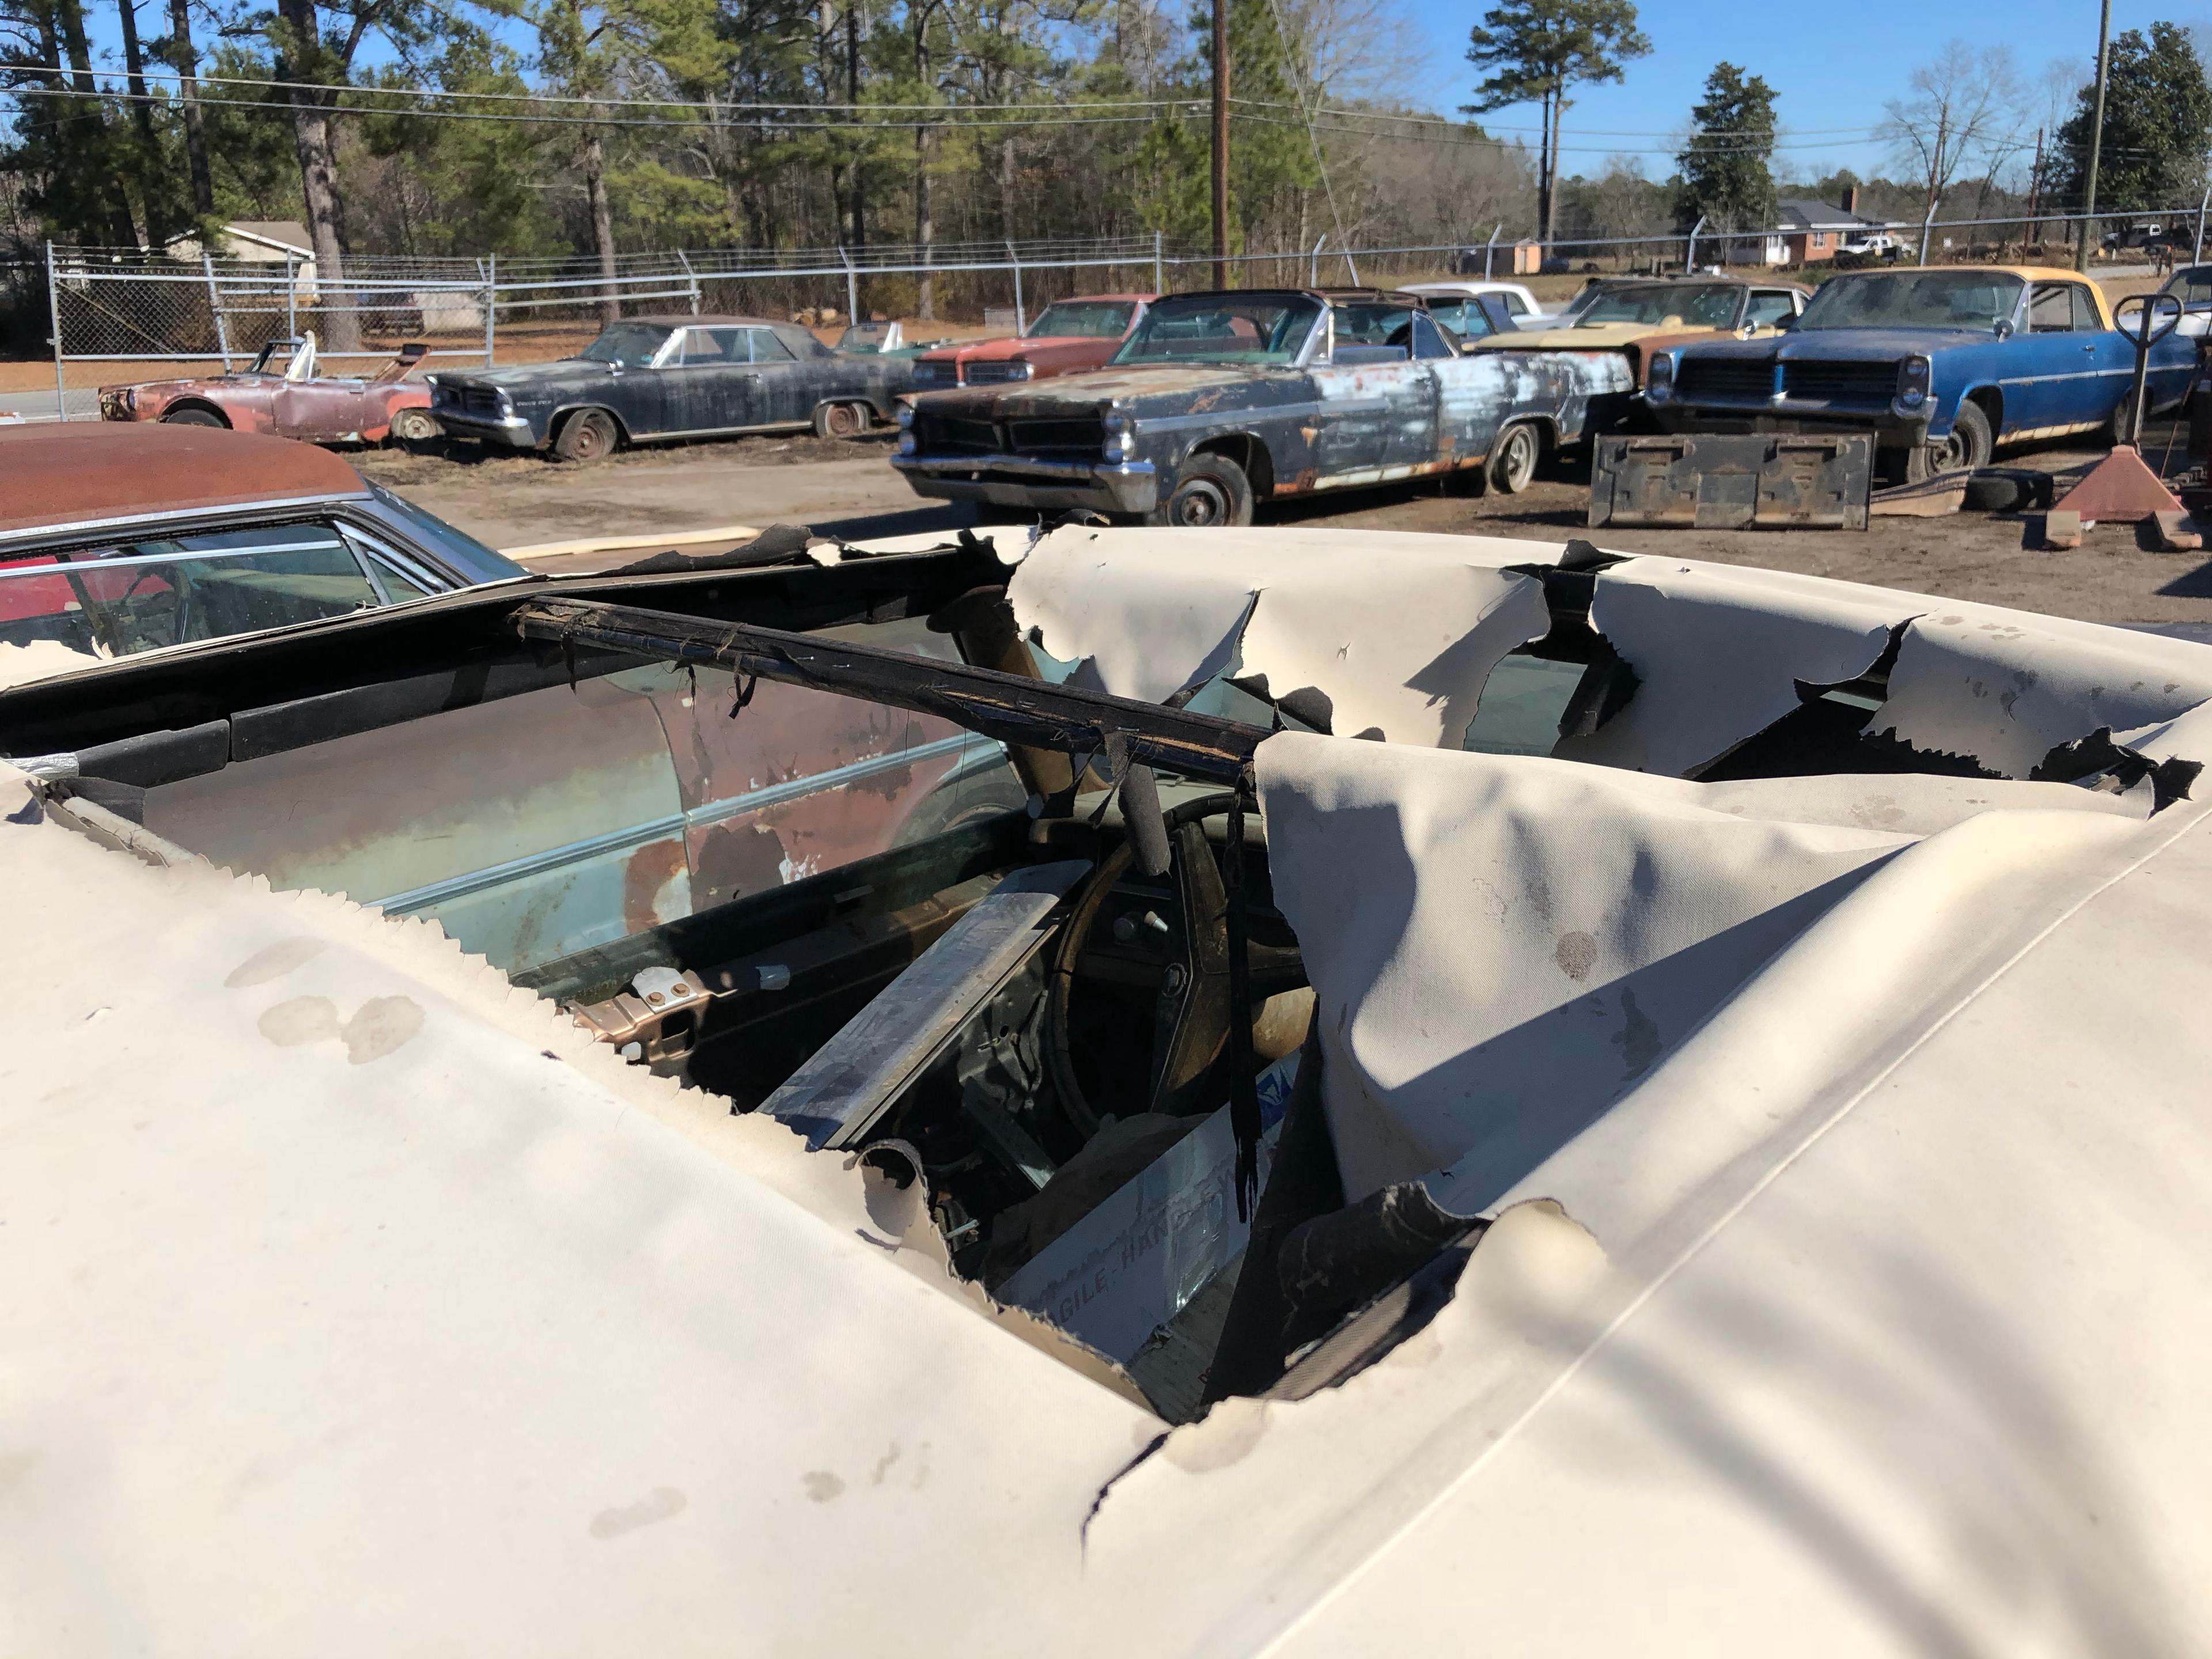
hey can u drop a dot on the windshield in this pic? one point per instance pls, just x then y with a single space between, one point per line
865 337
631 344
1207 328
1914 299
1090 320
1698 305
2192 285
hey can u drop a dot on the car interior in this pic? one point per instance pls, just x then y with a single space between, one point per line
1074 1014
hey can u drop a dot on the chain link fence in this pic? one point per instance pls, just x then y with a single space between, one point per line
124 316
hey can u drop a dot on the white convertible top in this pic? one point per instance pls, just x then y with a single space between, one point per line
1848 1137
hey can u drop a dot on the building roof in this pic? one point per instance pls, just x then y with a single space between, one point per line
74 471
1799 215
283 232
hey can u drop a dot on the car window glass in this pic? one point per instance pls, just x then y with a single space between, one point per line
2050 308
2193 286
768 348
1698 305
631 344
1261 328
1464 317
1427 343
712 345
2085 309
1516 306
1914 299
435 535
1090 320
1767 309
116 599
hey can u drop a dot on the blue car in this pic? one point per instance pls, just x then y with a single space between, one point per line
1940 365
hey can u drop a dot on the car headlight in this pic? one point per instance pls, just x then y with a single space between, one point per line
1117 437
905 415
1912 382
1019 370
1659 378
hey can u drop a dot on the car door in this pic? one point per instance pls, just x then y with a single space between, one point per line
319 409
1377 404
788 389
712 385
2067 356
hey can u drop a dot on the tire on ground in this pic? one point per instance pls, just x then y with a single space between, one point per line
415 426
842 420
1209 491
1513 458
1969 446
587 435
193 416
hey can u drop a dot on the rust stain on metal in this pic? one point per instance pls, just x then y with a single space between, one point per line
649 869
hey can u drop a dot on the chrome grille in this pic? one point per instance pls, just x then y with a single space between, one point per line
1840 383
936 374
1085 435
1726 378
949 435
995 374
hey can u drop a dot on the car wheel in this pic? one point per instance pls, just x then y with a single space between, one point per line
193 418
1211 490
1513 458
2121 427
415 426
840 419
586 436
1969 446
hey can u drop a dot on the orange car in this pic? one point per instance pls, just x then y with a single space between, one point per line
1067 337
1632 321
282 394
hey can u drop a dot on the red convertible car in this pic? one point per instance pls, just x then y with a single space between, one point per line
282 394
1067 337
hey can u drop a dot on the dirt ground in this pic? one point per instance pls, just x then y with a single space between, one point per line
847 486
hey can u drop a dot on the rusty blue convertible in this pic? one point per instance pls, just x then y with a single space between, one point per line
1220 401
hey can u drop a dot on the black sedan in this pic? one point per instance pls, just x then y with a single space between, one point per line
648 380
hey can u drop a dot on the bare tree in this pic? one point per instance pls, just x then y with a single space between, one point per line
1963 114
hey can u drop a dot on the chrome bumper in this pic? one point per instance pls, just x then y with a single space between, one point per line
1025 480
512 430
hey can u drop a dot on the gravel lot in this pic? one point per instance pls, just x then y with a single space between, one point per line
512 499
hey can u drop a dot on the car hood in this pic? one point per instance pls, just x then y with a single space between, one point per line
1125 387
568 373
1876 344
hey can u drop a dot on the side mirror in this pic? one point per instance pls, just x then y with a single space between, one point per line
2003 328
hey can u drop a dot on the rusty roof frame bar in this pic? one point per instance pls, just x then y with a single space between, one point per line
1016 710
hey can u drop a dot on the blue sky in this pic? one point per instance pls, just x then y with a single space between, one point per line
1833 65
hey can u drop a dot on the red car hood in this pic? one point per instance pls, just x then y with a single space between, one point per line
1029 346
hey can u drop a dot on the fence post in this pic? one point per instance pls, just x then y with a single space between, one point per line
1926 226
1313 261
1690 259
852 287
1490 250
214 305
1021 322
291 299
491 305
54 314
1159 275
690 277
2207 203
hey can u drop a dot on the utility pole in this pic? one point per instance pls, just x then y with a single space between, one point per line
2034 193
859 239
2096 137
1221 142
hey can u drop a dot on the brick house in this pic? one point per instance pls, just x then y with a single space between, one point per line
1812 231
